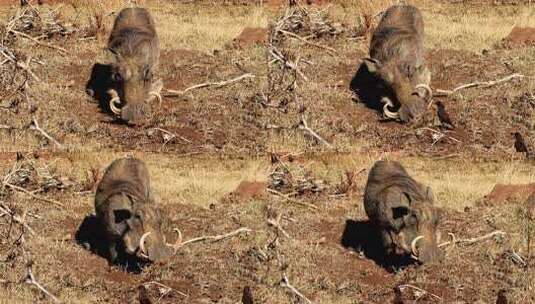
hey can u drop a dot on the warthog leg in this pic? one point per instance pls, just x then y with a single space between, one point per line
115 100
388 113
156 88
414 250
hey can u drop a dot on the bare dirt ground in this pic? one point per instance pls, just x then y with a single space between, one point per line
225 157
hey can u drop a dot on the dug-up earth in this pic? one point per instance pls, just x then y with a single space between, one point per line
243 154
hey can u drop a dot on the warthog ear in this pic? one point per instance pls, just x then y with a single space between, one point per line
371 64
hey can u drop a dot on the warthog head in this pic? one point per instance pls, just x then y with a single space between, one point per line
139 226
406 92
133 78
413 227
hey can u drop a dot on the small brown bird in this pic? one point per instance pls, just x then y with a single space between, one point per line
520 145
502 299
247 297
443 116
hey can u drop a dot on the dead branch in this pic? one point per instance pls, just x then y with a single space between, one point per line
289 199
440 134
166 287
30 279
304 126
288 63
35 126
419 292
7 211
213 238
175 93
277 224
484 84
331 50
286 284
64 51
169 136
472 240
6 127
20 189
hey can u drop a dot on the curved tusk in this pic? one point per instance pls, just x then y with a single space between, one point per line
427 88
143 251
115 100
414 250
388 113
178 242
157 95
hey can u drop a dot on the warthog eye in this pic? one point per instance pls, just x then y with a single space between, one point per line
122 215
117 77
147 74
399 212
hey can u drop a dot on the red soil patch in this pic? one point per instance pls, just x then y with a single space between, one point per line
248 190
521 36
250 36
502 194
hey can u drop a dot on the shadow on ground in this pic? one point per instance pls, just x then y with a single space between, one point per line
91 236
362 237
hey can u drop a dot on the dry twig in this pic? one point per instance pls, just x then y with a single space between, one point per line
289 199
35 126
20 189
7 211
286 284
304 126
420 292
484 84
331 50
472 240
62 50
30 279
277 224
213 238
175 93
288 63
166 287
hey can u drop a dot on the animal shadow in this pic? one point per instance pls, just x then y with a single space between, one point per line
91 236
361 236
368 88
98 84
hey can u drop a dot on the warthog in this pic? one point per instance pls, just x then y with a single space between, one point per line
398 65
126 207
402 209
135 50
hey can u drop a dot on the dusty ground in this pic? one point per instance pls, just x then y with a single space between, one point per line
215 151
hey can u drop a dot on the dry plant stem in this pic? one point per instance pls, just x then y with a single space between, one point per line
286 283
425 292
304 126
213 238
64 51
277 224
20 189
485 84
443 134
289 199
472 240
173 135
165 286
36 127
279 57
30 279
175 93
331 50
6 211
